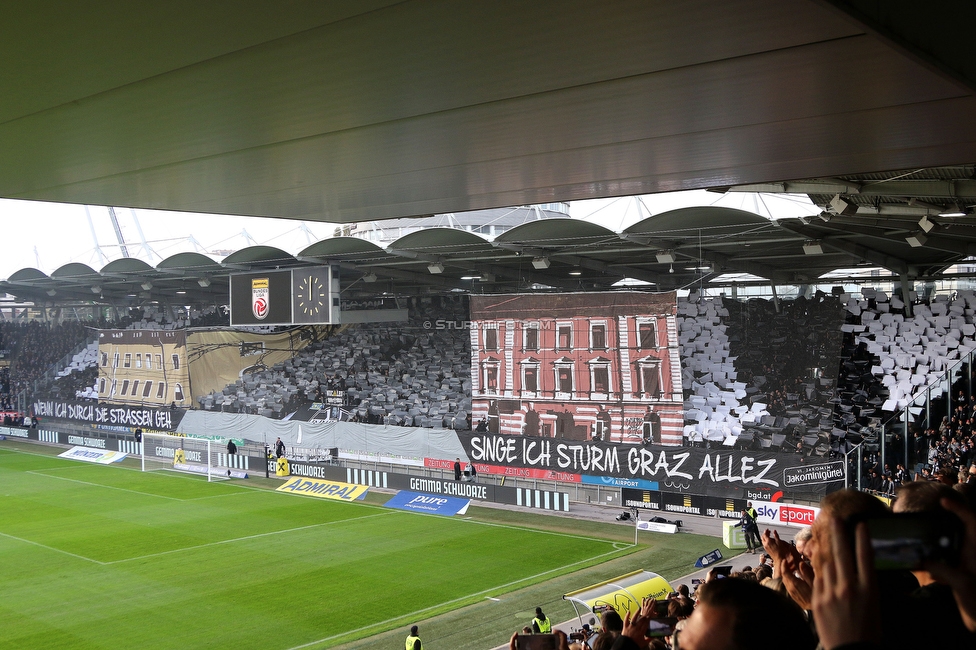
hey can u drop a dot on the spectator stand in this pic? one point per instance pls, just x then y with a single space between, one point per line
375 373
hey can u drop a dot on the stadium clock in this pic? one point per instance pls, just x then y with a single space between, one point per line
310 295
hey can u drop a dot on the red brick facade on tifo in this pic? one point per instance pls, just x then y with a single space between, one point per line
578 366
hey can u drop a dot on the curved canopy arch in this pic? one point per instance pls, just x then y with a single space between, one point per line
259 257
127 266
28 275
189 263
710 221
441 241
75 271
349 249
558 233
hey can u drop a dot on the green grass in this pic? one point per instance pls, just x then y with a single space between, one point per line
108 557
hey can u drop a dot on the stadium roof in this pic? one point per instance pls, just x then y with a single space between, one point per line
379 109
670 250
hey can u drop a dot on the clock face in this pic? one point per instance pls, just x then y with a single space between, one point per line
311 297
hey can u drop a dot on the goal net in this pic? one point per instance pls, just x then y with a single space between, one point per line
193 455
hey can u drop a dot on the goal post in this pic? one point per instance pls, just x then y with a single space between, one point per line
191 455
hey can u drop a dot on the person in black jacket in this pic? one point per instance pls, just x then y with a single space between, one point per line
751 531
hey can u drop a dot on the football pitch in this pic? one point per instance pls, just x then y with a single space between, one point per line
98 556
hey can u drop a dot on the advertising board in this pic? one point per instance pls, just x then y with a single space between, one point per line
690 504
430 504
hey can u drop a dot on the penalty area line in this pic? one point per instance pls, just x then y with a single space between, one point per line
51 548
100 485
413 615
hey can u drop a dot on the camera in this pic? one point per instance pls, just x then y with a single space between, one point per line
537 642
661 608
909 540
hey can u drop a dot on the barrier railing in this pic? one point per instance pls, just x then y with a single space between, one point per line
901 421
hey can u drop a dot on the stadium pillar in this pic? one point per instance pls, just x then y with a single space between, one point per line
928 403
884 448
775 296
908 416
906 293
906 449
969 376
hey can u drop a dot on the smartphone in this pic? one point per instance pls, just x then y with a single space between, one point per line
661 608
661 627
537 642
907 540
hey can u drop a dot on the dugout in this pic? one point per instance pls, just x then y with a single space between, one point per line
622 593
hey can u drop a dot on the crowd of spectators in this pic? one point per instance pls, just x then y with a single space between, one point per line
411 373
78 385
32 349
946 453
827 588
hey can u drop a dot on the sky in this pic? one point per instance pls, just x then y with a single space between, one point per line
49 235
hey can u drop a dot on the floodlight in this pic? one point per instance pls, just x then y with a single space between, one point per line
953 210
925 224
916 239
842 206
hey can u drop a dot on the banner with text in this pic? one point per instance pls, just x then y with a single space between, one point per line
430 504
785 514
324 489
541 499
718 472
100 456
688 504
146 417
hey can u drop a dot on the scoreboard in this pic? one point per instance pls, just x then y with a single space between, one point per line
295 297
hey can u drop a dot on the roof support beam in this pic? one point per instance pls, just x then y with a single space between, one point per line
585 262
503 271
401 274
934 189
935 240
893 264
725 262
